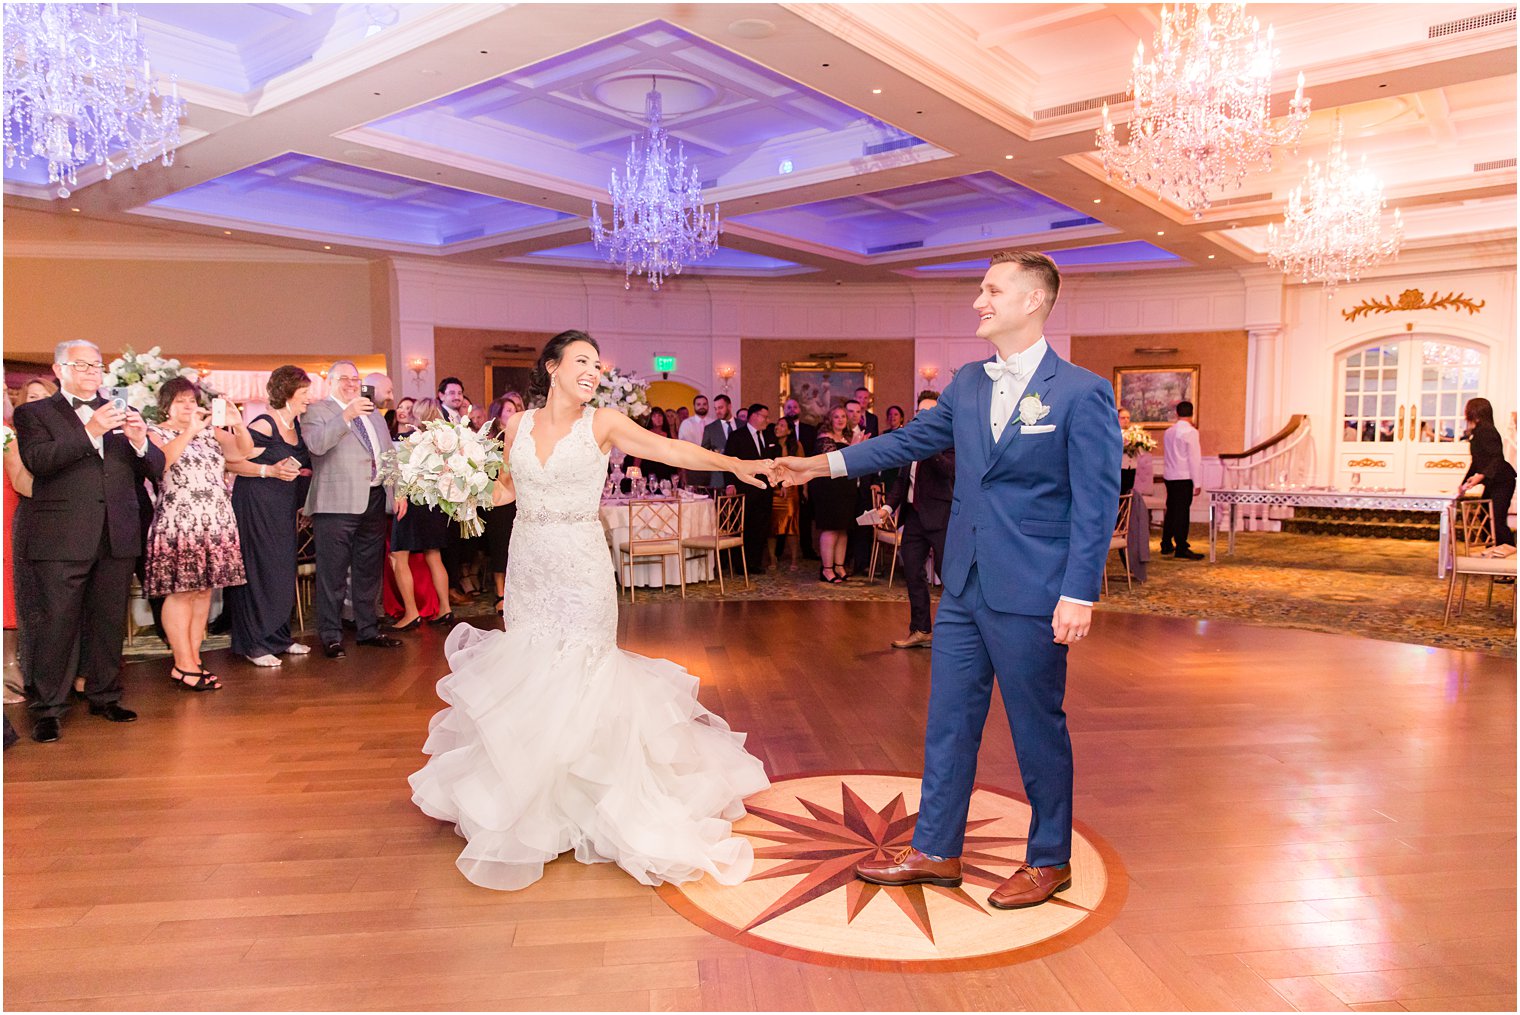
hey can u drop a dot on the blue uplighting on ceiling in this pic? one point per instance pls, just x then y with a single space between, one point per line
725 258
1127 253
296 191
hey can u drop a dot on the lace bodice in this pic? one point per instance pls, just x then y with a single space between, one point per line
560 579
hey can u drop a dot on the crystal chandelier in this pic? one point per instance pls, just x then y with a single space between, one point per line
658 222
78 89
1333 229
1201 117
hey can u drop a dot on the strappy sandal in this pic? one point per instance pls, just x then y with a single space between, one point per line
216 681
203 681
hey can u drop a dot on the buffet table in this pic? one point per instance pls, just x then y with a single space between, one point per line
699 517
1346 500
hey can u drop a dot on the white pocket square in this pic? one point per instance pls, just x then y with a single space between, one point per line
1038 429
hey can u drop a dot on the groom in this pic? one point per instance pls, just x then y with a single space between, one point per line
1037 451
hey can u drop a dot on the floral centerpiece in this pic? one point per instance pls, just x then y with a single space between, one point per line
624 392
448 466
1138 439
141 374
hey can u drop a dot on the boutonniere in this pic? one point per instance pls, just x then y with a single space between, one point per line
1032 410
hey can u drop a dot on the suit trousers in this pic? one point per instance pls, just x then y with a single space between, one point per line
972 642
758 505
1179 505
917 543
78 604
350 545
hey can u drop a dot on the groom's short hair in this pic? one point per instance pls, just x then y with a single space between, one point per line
1044 270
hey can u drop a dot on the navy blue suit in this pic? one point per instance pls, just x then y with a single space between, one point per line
1031 522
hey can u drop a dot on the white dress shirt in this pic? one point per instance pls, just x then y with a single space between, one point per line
757 438
374 440
1181 454
1008 389
691 429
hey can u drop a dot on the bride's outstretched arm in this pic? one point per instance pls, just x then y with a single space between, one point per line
613 427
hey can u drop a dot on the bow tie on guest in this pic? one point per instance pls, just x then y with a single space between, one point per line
77 402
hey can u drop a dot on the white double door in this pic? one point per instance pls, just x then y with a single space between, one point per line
1400 402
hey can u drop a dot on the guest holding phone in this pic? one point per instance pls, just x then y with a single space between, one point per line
265 499
193 544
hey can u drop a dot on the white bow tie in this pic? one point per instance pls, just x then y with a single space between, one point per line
997 370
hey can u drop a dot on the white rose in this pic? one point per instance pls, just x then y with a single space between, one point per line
151 352
138 396
1032 410
458 464
445 440
451 489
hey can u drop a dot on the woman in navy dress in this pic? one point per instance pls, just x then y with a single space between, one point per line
421 530
265 499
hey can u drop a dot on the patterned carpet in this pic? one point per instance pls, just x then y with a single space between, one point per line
1375 588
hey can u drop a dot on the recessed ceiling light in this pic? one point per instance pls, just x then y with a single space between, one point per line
226 232
429 72
1211 257
1007 156
1097 200
876 91
327 246
1160 232
73 209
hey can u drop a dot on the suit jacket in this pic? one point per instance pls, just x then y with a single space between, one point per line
870 424
78 493
932 493
807 437
1017 512
713 440
741 445
339 464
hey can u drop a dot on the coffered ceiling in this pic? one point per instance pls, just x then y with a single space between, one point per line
842 141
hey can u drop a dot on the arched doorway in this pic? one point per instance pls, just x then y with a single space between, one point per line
671 394
1400 405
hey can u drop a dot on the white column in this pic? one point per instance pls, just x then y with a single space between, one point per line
414 314
1264 361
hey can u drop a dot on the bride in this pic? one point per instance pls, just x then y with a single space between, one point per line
555 739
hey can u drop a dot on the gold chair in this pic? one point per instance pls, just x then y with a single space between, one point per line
1472 532
884 533
727 534
654 530
1120 542
306 567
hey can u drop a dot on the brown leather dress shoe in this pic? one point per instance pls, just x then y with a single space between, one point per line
910 867
915 639
1031 886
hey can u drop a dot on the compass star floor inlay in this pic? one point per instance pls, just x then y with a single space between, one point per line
804 901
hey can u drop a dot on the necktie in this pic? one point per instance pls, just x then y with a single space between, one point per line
362 432
912 480
759 447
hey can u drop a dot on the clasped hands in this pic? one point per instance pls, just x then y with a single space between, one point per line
782 471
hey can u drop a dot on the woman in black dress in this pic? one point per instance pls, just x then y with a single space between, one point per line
422 530
1489 467
265 499
833 500
500 518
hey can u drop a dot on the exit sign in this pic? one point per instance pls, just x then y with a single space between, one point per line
664 364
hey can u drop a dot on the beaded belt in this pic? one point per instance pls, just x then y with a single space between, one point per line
550 516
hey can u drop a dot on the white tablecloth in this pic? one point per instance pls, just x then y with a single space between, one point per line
699 517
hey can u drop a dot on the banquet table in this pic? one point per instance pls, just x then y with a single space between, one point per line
699 517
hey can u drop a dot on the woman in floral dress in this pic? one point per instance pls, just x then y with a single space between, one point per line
193 542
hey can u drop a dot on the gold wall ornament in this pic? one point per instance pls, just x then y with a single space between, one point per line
1414 299
1367 463
1445 463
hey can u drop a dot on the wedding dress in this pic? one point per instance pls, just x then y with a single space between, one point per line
555 739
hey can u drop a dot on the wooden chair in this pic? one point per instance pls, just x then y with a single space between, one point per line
727 534
1472 533
306 568
654 530
884 534
1120 542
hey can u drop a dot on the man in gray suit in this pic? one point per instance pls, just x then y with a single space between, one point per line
715 435
350 507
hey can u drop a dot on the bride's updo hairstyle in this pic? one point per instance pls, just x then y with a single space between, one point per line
554 349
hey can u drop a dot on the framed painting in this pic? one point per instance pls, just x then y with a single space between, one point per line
1151 394
820 385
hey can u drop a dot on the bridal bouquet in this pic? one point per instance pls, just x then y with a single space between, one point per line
623 392
143 373
448 466
1138 439
6 436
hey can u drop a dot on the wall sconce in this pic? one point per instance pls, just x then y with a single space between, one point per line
203 369
726 373
416 365
928 373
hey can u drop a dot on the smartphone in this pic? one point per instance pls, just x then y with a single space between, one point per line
218 412
367 391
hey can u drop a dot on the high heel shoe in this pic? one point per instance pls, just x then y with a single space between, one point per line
826 578
416 623
446 618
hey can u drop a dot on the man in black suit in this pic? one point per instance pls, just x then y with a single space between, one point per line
80 532
716 434
807 437
923 493
752 442
867 417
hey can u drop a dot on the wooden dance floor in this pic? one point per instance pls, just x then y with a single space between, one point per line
1290 819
